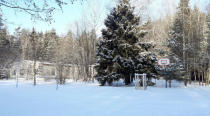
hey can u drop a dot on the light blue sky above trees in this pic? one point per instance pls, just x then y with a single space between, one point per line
86 12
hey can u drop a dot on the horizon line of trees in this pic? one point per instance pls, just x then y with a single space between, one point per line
125 47
38 46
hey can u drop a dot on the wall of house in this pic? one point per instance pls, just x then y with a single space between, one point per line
45 70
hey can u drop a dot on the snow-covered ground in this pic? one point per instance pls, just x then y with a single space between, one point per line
79 99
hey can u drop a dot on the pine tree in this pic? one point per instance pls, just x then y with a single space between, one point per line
188 41
178 35
4 41
208 30
179 30
120 54
208 42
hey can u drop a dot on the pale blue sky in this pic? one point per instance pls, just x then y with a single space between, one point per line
64 21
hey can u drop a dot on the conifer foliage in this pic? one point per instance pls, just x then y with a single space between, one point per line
208 30
188 42
178 34
120 54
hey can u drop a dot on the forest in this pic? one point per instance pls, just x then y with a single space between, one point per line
129 43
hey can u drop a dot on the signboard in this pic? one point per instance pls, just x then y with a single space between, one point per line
163 61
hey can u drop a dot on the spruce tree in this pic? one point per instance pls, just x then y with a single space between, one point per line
178 35
120 54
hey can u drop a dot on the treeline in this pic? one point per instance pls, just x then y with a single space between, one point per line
189 41
183 38
47 46
127 46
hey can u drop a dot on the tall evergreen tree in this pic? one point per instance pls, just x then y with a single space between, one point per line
208 40
4 41
188 42
120 54
208 30
179 30
9 47
178 35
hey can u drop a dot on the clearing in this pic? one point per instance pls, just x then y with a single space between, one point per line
79 99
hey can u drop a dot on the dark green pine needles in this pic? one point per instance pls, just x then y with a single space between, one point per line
120 54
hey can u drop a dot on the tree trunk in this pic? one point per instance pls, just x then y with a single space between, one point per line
195 75
61 75
34 72
190 74
202 75
127 79
203 78
8 74
199 78
166 83
185 82
207 77
169 83
60 79
93 74
73 71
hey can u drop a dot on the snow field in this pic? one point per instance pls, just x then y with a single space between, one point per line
79 99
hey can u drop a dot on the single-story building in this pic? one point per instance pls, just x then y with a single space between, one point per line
44 70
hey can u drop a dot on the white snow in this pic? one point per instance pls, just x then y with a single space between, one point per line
80 99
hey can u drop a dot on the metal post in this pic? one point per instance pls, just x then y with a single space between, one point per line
135 82
164 66
56 83
16 79
144 81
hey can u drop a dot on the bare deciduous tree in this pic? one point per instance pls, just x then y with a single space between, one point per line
38 9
